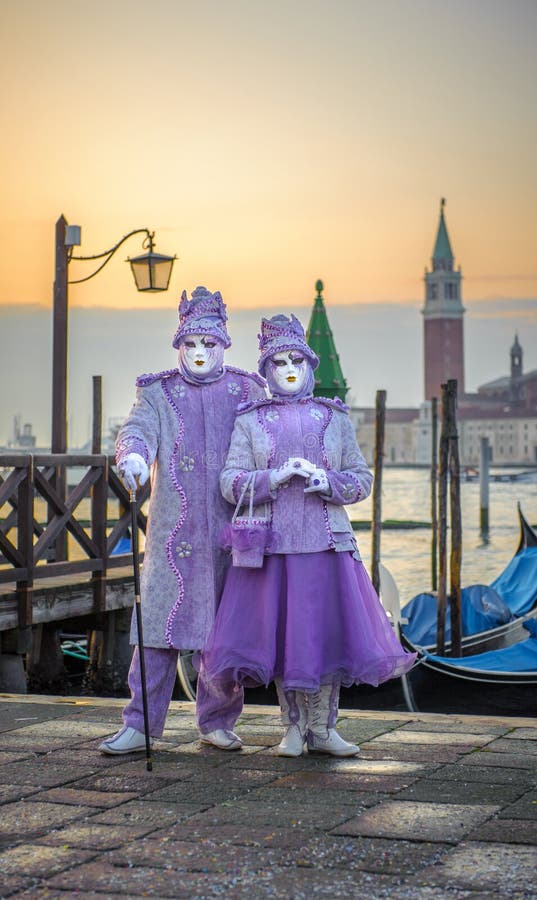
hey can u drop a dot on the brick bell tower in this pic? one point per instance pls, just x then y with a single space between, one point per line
443 315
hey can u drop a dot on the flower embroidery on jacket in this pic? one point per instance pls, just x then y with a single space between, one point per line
349 491
316 413
184 549
186 463
234 388
272 415
178 391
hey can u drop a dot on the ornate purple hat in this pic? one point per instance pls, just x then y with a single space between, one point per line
204 313
279 334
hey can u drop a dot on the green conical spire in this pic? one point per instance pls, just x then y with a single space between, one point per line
442 248
329 380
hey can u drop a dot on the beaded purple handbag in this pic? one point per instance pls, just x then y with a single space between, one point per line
248 536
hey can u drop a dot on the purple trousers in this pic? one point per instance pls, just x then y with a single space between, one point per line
218 703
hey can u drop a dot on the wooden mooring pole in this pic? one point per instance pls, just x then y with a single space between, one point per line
455 561
484 487
376 525
434 493
442 526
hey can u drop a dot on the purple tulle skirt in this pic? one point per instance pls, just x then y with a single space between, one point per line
305 618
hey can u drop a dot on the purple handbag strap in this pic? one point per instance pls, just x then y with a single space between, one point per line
250 481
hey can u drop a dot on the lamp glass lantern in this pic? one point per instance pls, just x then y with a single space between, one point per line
152 271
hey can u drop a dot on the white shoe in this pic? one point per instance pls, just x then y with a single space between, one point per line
332 743
223 739
292 743
127 740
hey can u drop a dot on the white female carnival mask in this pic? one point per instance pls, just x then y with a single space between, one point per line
201 355
289 372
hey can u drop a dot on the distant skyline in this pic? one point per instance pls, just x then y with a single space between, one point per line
380 346
269 145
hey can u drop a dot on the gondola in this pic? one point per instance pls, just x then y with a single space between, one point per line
497 672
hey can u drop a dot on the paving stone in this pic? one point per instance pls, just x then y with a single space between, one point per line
231 784
105 877
359 781
37 860
414 753
146 813
506 831
524 808
487 774
500 760
273 762
76 797
20 715
441 822
96 837
44 773
138 781
525 734
462 792
507 868
13 885
295 814
65 729
267 836
429 738
10 793
31 819
304 883
456 724
7 757
514 745
271 796
360 765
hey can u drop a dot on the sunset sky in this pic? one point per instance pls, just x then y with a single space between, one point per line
270 144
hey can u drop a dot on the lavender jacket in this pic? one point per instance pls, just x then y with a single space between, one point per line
183 430
266 434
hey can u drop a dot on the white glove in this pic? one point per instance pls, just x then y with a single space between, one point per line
295 465
318 483
133 467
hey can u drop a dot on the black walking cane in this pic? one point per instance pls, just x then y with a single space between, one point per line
136 565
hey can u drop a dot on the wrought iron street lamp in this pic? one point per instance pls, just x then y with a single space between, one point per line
151 271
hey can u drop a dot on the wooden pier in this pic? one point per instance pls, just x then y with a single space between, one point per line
63 518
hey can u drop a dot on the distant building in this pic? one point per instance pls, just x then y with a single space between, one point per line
443 317
23 437
503 410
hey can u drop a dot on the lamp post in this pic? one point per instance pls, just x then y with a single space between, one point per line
151 271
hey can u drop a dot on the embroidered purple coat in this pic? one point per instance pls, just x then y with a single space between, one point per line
266 434
183 430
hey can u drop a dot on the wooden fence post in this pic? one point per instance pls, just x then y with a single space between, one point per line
376 525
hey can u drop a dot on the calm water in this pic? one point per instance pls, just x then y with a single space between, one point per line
406 495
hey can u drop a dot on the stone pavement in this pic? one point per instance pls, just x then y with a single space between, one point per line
435 807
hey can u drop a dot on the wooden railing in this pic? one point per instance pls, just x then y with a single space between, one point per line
34 543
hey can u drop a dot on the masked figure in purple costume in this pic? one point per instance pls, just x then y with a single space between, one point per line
309 618
180 425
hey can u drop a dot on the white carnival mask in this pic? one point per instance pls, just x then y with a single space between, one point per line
290 369
201 354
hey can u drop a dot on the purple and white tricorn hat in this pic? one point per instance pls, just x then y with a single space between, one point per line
279 334
204 313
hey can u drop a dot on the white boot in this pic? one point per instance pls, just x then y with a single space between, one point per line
221 738
322 717
294 716
127 740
